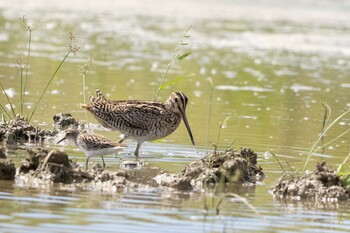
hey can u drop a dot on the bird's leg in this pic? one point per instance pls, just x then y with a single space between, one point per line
137 149
104 164
87 162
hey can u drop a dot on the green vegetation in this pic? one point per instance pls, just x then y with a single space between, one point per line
24 67
327 126
179 55
84 70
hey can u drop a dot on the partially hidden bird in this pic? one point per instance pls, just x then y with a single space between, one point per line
92 144
140 120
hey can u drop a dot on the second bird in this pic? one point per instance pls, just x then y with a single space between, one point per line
140 120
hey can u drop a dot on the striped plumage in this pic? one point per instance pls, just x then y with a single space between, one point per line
92 144
140 120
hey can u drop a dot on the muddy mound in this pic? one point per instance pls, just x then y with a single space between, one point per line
323 184
215 169
43 167
7 169
47 165
2 153
19 130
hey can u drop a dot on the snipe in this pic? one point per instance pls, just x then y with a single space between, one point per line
92 144
140 120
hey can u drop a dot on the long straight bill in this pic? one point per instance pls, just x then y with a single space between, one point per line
187 126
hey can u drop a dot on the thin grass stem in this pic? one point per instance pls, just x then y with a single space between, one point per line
279 162
343 164
245 202
27 68
8 100
84 96
47 85
174 60
209 109
326 129
162 81
3 110
21 91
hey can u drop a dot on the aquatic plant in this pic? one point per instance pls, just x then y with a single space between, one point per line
180 54
84 70
222 125
209 108
23 65
344 171
327 126
73 48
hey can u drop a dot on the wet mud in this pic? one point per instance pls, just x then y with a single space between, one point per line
322 184
7 169
237 167
44 167
18 130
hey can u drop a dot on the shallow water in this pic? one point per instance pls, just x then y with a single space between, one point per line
272 64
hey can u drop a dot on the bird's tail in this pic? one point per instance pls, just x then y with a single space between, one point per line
85 106
100 96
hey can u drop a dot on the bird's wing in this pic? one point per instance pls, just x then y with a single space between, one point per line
88 141
138 114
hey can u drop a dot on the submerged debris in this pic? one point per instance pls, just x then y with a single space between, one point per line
323 184
215 169
19 130
63 121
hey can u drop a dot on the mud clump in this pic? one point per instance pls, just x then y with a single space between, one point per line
51 165
2 153
33 161
7 169
44 167
323 184
19 130
63 121
215 169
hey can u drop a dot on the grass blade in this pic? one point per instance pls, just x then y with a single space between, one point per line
181 57
47 85
8 100
342 165
4 111
175 60
279 162
326 129
72 49
175 81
